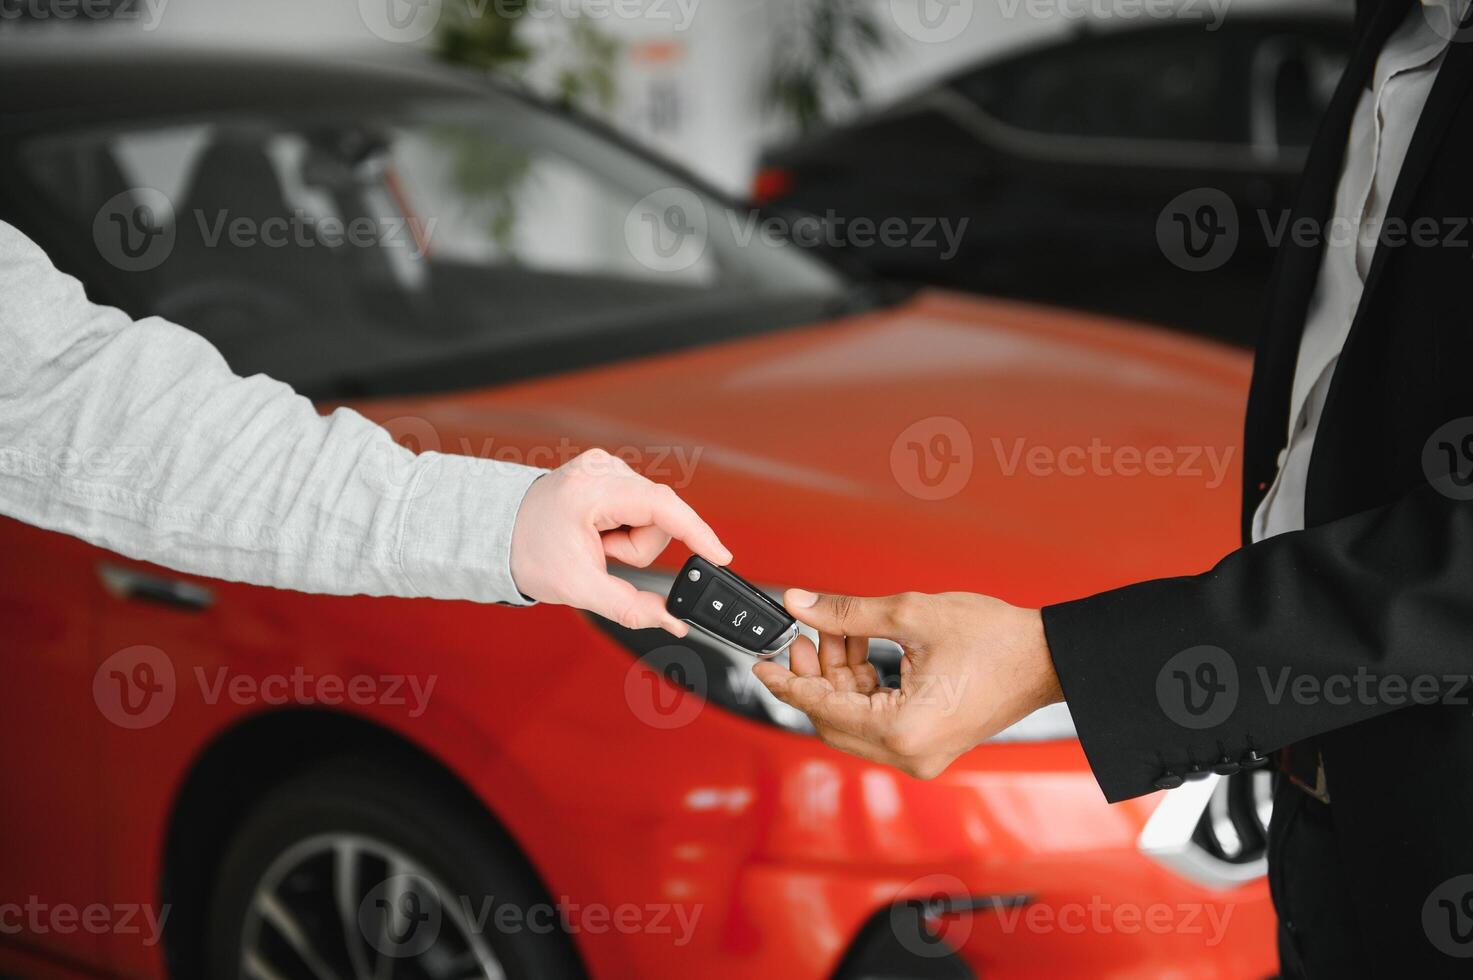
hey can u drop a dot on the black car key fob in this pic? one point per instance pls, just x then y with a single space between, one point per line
720 602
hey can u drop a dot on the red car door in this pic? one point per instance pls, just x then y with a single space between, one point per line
51 872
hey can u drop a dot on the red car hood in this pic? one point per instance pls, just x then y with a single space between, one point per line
946 443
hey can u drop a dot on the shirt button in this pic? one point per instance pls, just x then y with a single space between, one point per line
1168 780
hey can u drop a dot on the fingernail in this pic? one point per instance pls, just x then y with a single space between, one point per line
723 556
799 599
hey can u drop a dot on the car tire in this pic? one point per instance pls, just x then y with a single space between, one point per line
349 843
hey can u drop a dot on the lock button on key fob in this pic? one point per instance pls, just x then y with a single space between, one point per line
722 603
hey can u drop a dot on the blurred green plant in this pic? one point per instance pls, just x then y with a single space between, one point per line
493 173
492 37
483 36
820 50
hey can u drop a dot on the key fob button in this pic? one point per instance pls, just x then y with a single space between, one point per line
728 607
756 631
718 607
736 617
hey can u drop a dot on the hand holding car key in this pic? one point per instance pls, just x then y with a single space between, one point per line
720 602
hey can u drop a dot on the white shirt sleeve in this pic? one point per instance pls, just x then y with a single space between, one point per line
137 437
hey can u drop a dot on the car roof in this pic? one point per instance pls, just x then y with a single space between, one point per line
46 88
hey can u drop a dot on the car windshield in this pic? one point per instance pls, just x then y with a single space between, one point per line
434 245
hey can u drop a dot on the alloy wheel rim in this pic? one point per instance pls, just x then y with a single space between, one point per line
348 906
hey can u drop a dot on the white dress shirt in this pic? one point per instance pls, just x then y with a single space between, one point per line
1380 134
138 437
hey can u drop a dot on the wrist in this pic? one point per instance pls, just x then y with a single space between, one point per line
1046 689
521 543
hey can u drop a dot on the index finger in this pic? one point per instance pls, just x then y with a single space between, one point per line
656 503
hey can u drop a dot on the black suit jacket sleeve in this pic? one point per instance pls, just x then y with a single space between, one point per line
1323 628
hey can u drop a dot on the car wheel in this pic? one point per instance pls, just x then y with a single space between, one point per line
356 873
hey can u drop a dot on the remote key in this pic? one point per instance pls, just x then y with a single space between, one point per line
720 602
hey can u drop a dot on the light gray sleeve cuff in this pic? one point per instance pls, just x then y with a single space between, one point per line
455 542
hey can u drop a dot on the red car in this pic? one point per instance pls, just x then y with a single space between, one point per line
216 780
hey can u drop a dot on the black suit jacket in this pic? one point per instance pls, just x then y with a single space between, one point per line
1379 585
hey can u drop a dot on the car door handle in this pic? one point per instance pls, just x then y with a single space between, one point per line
133 583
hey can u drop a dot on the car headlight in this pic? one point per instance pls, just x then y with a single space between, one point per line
723 674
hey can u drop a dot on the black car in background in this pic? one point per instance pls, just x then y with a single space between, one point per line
1142 172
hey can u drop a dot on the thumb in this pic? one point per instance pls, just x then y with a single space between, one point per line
617 601
847 615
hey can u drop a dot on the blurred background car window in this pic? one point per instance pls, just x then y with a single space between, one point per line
491 227
1159 86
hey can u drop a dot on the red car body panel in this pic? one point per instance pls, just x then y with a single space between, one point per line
785 847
